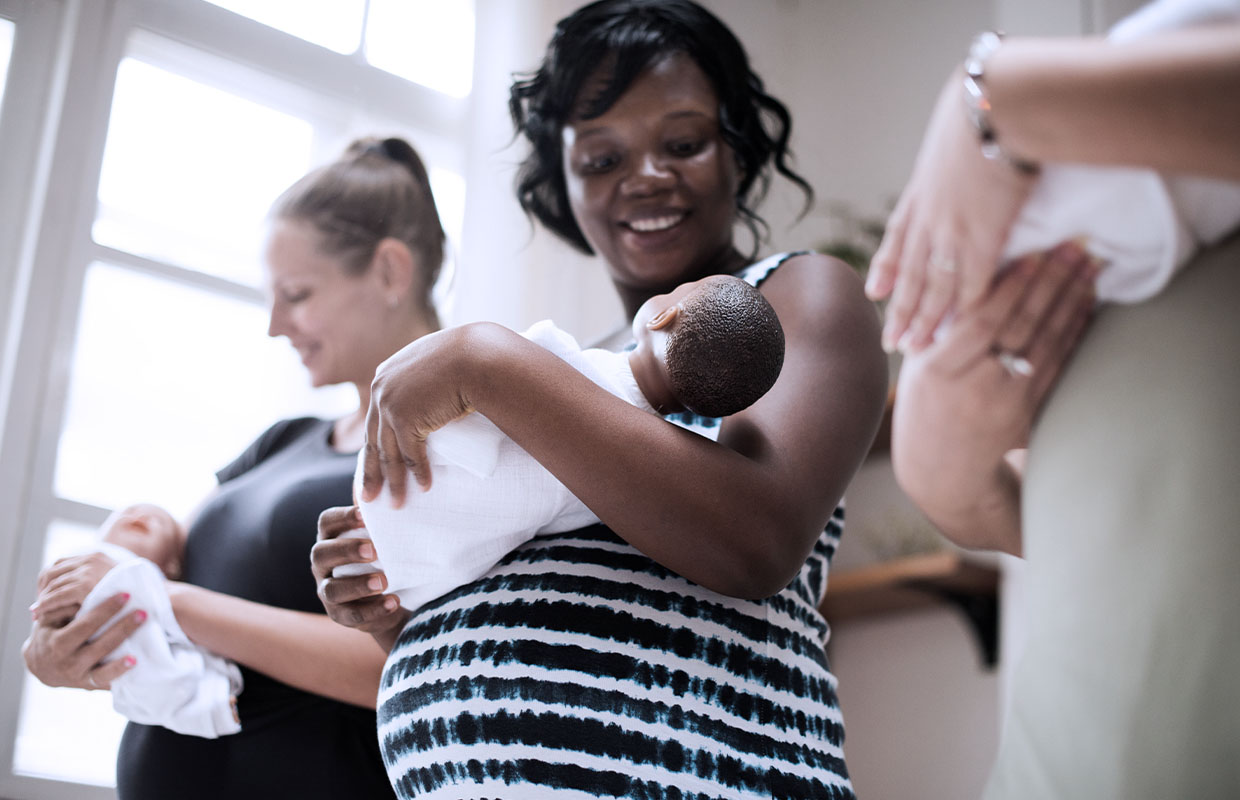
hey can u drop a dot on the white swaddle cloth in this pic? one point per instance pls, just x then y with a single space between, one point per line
175 683
488 495
1145 225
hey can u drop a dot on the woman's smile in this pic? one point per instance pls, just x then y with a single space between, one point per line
655 224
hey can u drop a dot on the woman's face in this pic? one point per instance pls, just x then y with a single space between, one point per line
336 322
651 182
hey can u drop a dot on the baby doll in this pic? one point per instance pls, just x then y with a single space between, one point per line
711 347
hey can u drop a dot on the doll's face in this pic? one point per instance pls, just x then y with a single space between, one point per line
150 532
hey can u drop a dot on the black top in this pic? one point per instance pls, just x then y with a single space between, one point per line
252 540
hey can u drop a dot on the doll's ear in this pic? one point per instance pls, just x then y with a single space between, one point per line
664 319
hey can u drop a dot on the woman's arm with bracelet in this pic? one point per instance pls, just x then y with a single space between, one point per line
1168 102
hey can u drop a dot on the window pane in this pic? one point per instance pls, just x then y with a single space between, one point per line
168 384
430 42
6 52
189 172
334 24
55 723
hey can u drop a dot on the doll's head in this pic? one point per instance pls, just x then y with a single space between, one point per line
712 346
150 532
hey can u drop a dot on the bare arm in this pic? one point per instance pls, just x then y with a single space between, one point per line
738 516
304 650
1170 102
959 414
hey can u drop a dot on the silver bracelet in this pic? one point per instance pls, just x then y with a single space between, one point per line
978 103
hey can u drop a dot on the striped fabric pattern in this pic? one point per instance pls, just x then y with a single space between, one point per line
578 668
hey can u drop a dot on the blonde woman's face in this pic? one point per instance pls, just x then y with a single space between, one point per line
334 320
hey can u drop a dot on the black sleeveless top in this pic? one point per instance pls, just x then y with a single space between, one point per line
253 541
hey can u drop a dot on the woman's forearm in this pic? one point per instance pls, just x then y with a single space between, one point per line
1169 101
738 516
304 650
984 516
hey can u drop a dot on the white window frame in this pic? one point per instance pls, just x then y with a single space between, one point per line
53 127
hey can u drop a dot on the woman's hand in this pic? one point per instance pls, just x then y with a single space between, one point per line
64 585
65 656
946 235
971 397
356 601
415 391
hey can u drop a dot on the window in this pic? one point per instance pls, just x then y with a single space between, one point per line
163 324
334 24
189 170
6 50
427 41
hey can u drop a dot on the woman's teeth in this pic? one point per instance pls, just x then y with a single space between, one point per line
655 224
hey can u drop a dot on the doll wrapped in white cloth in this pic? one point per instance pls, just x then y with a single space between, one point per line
174 683
489 495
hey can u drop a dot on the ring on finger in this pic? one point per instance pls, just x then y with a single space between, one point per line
1016 365
941 261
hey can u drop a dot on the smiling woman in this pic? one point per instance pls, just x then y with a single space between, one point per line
676 650
354 251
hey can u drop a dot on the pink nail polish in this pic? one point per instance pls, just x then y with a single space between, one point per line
140 616
129 661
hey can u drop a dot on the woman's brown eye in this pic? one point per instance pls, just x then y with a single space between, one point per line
686 148
600 163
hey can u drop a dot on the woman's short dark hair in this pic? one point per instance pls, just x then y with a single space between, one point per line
377 189
632 35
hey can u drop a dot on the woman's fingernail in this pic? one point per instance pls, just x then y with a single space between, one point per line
140 616
124 597
129 661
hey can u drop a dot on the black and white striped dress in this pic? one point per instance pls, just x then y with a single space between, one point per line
578 668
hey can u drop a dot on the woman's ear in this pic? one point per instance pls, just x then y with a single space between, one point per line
394 267
664 319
